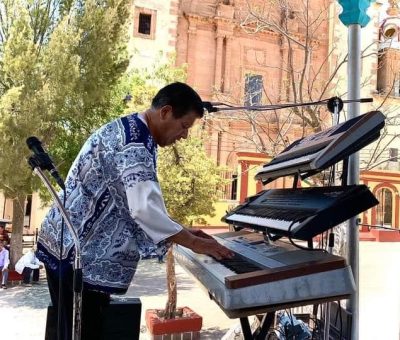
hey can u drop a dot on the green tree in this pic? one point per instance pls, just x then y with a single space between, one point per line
59 63
189 180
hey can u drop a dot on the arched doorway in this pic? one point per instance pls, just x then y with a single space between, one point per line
384 211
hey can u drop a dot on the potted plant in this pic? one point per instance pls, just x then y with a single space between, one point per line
173 320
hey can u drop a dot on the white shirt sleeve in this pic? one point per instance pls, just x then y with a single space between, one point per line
27 260
146 206
20 265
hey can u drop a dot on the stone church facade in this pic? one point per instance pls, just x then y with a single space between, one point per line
241 55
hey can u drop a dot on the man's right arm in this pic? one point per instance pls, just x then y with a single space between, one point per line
146 206
201 245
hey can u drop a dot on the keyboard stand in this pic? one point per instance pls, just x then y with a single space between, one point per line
269 315
261 331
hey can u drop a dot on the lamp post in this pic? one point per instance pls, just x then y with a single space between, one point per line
354 16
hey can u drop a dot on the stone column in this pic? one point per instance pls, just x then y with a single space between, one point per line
228 61
218 62
191 53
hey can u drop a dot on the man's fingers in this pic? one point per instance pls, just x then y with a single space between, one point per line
223 253
205 235
217 256
201 233
227 252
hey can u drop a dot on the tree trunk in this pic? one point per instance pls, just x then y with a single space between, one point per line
170 308
17 228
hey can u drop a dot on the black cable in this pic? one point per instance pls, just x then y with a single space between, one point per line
291 322
298 245
341 321
315 323
60 297
321 241
327 233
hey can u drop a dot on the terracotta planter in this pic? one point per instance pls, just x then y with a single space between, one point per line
14 276
188 322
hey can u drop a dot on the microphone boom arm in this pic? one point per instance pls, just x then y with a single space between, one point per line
216 107
78 283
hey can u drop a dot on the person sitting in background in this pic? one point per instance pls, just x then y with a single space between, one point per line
4 262
4 237
27 264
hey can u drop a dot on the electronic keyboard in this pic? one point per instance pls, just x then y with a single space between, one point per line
320 150
301 213
263 275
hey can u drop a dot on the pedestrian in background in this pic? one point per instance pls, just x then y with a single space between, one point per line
4 262
29 265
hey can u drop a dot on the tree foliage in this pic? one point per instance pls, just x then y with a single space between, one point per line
59 63
189 180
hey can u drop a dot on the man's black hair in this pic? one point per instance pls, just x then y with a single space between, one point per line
181 97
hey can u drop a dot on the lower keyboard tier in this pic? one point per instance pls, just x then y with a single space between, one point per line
303 285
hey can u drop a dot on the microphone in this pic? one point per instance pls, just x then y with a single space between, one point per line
210 106
335 105
43 159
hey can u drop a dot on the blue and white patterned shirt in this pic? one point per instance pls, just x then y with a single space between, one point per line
115 203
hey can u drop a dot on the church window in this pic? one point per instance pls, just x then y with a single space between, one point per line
253 88
145 23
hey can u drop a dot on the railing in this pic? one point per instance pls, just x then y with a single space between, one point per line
228 191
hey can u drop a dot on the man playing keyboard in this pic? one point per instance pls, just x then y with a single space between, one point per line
116 205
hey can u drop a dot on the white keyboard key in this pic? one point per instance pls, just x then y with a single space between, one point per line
264 222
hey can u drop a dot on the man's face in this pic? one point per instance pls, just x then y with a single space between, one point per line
174 129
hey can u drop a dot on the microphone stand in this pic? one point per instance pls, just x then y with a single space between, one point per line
35 164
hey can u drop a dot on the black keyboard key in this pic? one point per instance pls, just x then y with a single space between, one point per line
239 264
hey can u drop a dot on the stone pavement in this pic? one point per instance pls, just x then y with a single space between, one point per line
23 309
379 291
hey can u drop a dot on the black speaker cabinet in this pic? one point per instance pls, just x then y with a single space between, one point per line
120 320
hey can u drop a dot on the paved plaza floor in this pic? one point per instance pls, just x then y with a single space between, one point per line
23 309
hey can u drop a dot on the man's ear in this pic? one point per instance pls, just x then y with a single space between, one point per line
165 111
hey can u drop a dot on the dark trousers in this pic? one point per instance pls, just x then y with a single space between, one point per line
26 275
93 304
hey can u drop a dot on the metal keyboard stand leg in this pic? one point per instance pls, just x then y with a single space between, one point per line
262 331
